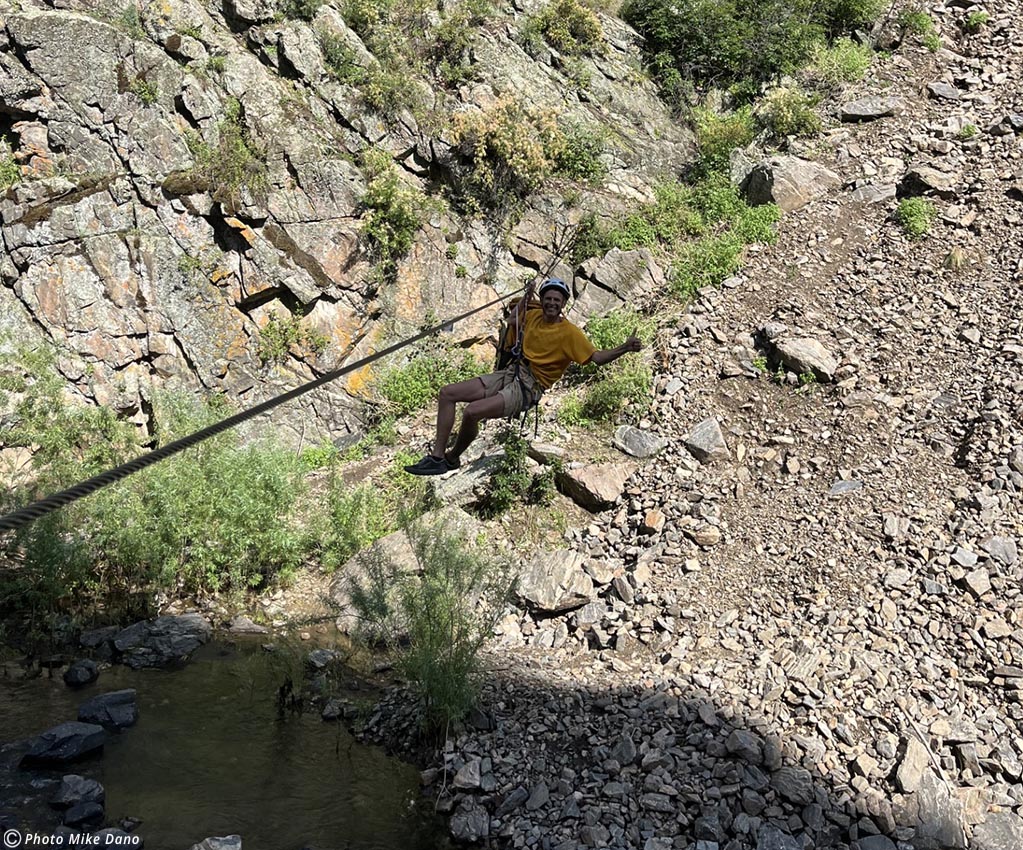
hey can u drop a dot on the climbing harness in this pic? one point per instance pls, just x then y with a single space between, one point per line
29 513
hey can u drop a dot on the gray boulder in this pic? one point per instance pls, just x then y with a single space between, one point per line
805 355
789 182
159 642
84 815
615 280
925 180
470 823
75 789
870 108
114 710
81 672
638 443
227 842
999 831
554 582
706 442
771 838
596 486
65 742
940 819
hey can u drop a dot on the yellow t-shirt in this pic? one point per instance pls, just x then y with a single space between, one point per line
549 348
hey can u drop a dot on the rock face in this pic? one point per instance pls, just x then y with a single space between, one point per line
159 642
147 265
65 742
617 279
789 182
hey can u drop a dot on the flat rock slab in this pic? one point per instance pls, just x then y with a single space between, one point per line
638 443
75 789
943 91
163 641
925 180
555 581
114 710
940 817
65 742
870 108
596 486
1000 831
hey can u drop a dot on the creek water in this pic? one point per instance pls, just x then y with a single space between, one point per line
211 755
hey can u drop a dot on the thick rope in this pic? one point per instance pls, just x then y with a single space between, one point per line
29 513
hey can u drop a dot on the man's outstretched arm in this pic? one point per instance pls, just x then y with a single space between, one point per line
608 355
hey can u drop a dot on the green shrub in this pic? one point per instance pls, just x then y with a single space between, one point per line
511 150
144 90
216 63
436 618
579 156
129 21
355 518
340 59
386 89
392 218
366 16
969 131
612 330
789 112
916 22
725 42
706 262
847 15
844 61
217 516
717 135
717 199
301 10
975 22
570 28
10 172
915 216
232 162
932 41
408 388
279 334
757 224
511 482
625 382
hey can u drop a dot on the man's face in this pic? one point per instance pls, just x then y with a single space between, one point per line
552 303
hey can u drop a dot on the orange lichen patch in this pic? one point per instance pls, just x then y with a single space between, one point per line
219 274
361 381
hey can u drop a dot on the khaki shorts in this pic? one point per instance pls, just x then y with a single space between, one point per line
510 387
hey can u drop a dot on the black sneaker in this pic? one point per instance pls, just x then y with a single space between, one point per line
431 465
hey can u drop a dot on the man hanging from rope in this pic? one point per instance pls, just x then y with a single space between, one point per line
546 344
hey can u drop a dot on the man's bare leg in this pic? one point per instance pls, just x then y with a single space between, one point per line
484 408
471 390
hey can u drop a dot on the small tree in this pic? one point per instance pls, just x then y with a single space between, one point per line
434 615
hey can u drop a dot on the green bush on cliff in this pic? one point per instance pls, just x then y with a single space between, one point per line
10 173
232 162
392 214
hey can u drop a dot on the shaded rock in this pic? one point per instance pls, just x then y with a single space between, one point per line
468 776
555 581
637 442
538 797
943 91
510 803
596 486
870 108
81 672
769 837
940 816
706 442
76 789
789 182
83 815
877 842
999 831
65 742
615 280
156 643
227 842
117 709
745 745
794 784
470 822
874 193
804 355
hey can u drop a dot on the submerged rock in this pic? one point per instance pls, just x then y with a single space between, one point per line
116 710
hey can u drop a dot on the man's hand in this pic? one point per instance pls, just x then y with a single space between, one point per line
633 343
